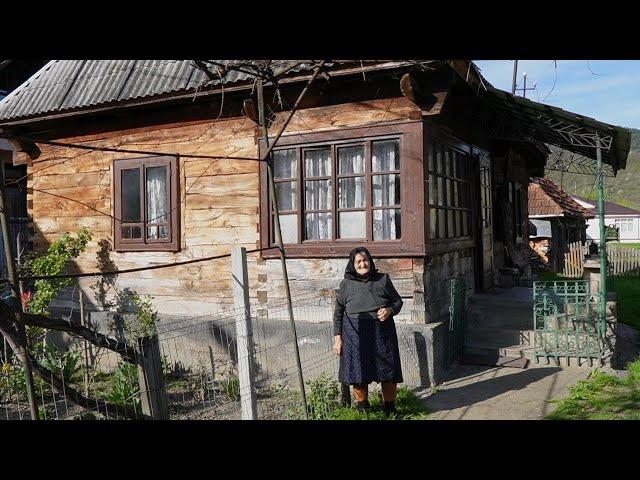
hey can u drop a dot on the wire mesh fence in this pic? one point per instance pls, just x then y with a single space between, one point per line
198 373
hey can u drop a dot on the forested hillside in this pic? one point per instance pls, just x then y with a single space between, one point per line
623 189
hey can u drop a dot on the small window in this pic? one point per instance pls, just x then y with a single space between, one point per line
146 206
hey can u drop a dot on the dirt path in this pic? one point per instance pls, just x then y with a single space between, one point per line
490 393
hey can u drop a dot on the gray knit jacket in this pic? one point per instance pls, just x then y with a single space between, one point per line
358 297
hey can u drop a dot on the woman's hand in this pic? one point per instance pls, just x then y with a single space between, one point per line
384 313
337 345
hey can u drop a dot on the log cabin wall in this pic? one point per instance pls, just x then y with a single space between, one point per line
219 208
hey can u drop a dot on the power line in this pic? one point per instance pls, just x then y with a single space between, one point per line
132 270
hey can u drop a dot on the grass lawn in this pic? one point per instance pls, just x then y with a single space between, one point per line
602 397
408 406
625 245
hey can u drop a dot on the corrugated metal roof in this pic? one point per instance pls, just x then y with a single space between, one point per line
65 85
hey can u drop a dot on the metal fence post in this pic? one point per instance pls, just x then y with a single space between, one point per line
153 394
244 333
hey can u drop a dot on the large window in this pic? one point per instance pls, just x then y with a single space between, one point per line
338 190
624 224
146 191
449 193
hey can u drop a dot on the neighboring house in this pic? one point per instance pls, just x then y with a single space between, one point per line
558 219
414 160
626 219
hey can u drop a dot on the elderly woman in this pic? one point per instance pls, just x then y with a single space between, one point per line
364 332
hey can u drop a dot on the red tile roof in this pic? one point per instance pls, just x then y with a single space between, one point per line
547 198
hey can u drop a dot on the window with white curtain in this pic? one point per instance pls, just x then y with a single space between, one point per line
145 204
349 191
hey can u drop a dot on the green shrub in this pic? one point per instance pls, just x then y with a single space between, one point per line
231 387
123 386
322 397
53 262
63 364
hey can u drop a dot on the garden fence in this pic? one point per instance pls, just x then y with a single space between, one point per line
623 261
200 372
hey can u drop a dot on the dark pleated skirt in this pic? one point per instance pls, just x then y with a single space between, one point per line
369 350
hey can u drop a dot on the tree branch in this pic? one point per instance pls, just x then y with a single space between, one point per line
98 339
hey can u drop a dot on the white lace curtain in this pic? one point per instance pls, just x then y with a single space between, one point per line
386 190
157 202
317 163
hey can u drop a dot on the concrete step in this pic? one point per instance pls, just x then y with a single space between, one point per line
497 337
507 318
510 351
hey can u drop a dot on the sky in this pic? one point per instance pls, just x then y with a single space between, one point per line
608 90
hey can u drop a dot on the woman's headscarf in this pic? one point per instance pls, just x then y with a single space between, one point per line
351 273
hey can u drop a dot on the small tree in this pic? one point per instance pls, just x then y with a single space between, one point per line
53 262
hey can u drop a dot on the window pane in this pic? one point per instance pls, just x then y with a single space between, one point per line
158 232
386 224
465 224
289 228
131 195
441 223
285 163
318 195
317 163
353 225
432 223
454 158
287 195
431 160
385 156
451 229
458 223
318 226
351 159
351 192
386 189
439 159
126 231
156 191
449 197
432 190
455 194
440 191
447 162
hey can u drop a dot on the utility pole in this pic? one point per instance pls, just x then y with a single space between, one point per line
524 88
278 237
15 293
515 73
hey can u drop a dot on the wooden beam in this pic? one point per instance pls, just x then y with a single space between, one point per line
428 93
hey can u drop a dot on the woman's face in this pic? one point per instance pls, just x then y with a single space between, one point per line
361 262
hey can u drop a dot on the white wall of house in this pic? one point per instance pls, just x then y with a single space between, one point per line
629 227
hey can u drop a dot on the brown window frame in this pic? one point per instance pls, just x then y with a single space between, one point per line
144 244
411 243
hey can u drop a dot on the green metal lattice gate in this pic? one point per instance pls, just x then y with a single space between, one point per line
566 321
457 318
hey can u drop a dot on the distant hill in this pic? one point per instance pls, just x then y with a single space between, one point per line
623 189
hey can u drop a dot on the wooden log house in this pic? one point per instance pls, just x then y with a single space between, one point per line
398 156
